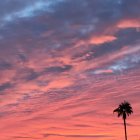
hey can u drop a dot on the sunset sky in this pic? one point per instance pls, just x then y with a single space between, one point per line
65 65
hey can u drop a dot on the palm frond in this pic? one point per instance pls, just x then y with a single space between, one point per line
124 109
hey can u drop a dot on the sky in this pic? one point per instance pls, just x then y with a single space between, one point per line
65 65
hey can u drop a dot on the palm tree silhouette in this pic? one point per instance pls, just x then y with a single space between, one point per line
124 109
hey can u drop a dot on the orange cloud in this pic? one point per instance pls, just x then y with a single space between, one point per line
97 40
129 23
102 39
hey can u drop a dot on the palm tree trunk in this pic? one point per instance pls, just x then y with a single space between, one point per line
125 129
